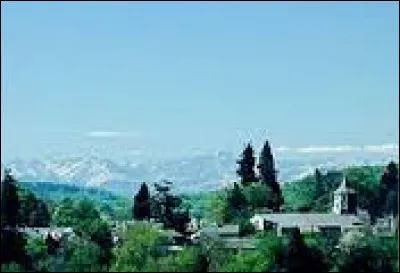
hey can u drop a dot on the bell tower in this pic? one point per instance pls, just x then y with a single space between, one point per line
344 199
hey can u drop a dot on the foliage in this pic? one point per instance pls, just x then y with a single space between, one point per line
258 196
84 258
85 219
36 249
138 247
189 259
370 253
246 166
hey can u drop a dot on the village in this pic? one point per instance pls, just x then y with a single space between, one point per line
344 221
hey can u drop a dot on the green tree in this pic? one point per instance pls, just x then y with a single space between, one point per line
246 166
84 258
139 245
100 233
64 213
141 205
259 196
267 170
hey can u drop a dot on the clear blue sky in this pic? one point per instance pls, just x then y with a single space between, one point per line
169 77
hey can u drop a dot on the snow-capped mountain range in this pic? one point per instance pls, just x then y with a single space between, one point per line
194 173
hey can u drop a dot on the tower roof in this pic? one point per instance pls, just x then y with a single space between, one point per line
343 187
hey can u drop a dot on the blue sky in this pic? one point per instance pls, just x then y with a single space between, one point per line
167 78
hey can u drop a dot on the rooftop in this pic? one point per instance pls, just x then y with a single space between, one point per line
307 219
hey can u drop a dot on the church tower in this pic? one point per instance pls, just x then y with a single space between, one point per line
344 199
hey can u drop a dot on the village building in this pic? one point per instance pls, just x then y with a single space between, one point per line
345 216
227 235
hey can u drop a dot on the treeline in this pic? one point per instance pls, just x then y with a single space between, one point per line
89 250
111 205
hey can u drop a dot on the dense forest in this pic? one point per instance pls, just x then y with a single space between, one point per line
100 244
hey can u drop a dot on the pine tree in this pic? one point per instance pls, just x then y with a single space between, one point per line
268 175
141 206
246 166
9 201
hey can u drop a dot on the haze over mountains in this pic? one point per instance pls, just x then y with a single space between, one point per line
192 173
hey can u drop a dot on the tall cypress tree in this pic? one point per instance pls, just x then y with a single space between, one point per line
246 166
141 205
268 175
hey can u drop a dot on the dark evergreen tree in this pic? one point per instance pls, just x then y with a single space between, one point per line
389 191
246 166
166 207
141 206
268 175
9 201
12 241
319 184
